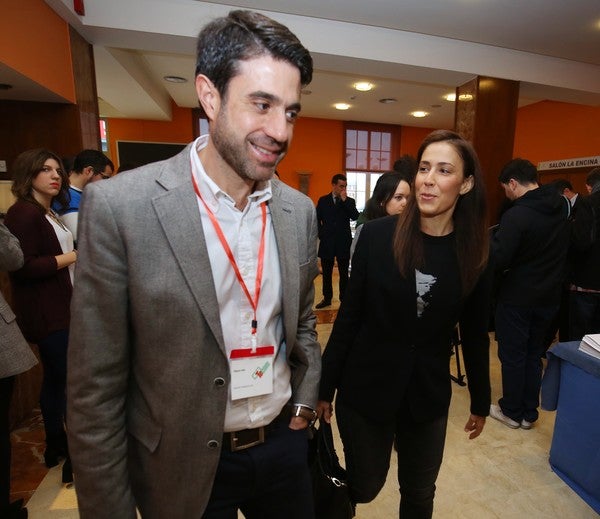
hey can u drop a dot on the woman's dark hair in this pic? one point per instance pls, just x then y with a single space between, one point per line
384 191
244 35
27 166
470 218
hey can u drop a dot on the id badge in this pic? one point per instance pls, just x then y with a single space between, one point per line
251 372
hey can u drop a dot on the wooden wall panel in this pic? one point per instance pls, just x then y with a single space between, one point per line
84 76
27 125
488 120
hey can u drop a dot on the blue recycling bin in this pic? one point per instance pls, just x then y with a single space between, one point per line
571 386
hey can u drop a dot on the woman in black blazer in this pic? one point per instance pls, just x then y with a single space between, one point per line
414 277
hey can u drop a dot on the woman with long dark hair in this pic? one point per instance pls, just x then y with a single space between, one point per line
414 277
390 196
42 287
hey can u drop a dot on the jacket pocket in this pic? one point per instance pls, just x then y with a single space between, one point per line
143 429
6 312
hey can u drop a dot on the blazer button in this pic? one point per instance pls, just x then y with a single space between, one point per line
212 444
219 381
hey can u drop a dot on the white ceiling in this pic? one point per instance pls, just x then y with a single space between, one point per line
413 50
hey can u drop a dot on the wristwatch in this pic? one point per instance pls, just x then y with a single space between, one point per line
308 413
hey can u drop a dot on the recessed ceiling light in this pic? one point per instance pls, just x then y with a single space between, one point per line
341 106
419 113
388 100
450 97
363 86
175 79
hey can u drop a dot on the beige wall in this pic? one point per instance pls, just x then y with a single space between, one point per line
6 197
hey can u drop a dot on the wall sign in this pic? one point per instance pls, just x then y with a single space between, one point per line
581 162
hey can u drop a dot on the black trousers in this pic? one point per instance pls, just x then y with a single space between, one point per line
584 308
53 397
267 481
368 448
521 334
327 268
6 389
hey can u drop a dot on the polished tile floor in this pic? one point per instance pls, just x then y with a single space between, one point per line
502 474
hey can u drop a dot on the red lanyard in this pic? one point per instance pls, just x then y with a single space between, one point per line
261 257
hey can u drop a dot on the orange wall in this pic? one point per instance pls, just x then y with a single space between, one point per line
411 138
177 131
545 131
34 41
550 130
317 148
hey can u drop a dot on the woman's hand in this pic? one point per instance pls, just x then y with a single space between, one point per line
324 410
64 260
474 426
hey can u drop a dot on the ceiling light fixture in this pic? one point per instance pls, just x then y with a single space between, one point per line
341 106
363 86
388 100
450 97
465 97
175 79
419 113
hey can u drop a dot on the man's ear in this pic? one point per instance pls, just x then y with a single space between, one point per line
208 96
467 185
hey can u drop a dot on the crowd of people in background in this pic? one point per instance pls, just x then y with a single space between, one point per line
186 273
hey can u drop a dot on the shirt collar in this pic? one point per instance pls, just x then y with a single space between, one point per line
211 192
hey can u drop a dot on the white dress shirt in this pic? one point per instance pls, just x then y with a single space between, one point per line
242 230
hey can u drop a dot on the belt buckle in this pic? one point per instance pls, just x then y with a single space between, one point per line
247 438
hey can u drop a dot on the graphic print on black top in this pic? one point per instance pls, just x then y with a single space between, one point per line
425 283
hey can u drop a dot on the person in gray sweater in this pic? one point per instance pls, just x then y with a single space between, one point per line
15 357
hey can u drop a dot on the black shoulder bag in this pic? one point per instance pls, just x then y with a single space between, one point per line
330 488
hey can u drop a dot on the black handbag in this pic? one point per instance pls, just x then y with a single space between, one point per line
330 488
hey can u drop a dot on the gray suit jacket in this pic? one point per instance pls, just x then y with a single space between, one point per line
15 354
146 399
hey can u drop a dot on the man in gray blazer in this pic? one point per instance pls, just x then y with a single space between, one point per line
193 360
15 357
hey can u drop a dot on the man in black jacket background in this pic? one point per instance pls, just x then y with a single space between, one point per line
584 296
529 251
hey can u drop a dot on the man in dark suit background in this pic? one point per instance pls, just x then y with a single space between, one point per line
334 212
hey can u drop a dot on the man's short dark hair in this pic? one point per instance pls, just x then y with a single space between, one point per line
244 35
93 158
561 184
406 165
337 177
593 177
521 170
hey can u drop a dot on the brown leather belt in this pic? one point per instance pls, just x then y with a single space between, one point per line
246 438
